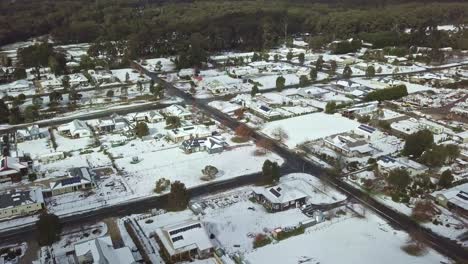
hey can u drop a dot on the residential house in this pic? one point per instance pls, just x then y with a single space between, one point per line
362 109
184 241
13 169
349 145
75 129
178 111
265 112
29 133
187 132
101 251
15 203
386 164
106 125
78 79
455 198
463 136
51 83
281 197
78 179
52 157
155 117
368 132
213 144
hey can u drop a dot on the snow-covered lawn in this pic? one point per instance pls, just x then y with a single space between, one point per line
352 240
133 75
269 81
70 144
166 64
174 164
310 127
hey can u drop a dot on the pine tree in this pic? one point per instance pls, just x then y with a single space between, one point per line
178 198
254 90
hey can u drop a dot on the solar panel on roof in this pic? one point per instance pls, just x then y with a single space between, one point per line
70 181
463 196
275 193
367 128
264 108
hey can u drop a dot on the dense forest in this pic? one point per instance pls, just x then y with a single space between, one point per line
166 27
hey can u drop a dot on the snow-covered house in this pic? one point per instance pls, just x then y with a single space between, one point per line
370 133
178 111
349 145
362 109
187 132
406 127
15 203
184 241
78 79
281 197
455 198
80 178
463 136
51 157
101 251
29 133
51 83
265 111
212 145
387 164
13 169
76 129
185 72
155 117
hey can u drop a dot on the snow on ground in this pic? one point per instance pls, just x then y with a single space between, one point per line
133 75
174 164
375 84
166 63
355 240
269 81
310 127
70 144
36 147
223 106
319 193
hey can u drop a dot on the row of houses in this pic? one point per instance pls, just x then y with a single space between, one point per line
16 203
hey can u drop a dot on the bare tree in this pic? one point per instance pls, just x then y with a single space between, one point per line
280 134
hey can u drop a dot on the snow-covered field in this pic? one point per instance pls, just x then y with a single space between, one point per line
174 164
310 127
352 240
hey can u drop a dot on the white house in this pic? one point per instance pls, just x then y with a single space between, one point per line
78 179
19 203
184 241
101 251
362 109
184 133
387 164
76 129
177 110
51 157
265 111
368 132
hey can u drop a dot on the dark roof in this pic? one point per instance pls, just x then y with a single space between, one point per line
367 128
15 198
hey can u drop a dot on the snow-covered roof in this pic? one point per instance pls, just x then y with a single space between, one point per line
184 237
13 198
457 195
100 250
284 192
176 110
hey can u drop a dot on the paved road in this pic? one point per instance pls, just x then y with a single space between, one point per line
135 206
441 244
294 162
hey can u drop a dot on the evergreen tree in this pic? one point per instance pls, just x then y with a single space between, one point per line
347 72
417 143
289 56
313 74
399 179
303 81
178 197
446 179
49 229
301 58
319 63
370 71
141 129
280 83
254 90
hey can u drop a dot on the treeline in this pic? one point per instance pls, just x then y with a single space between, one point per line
391 93
155 27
